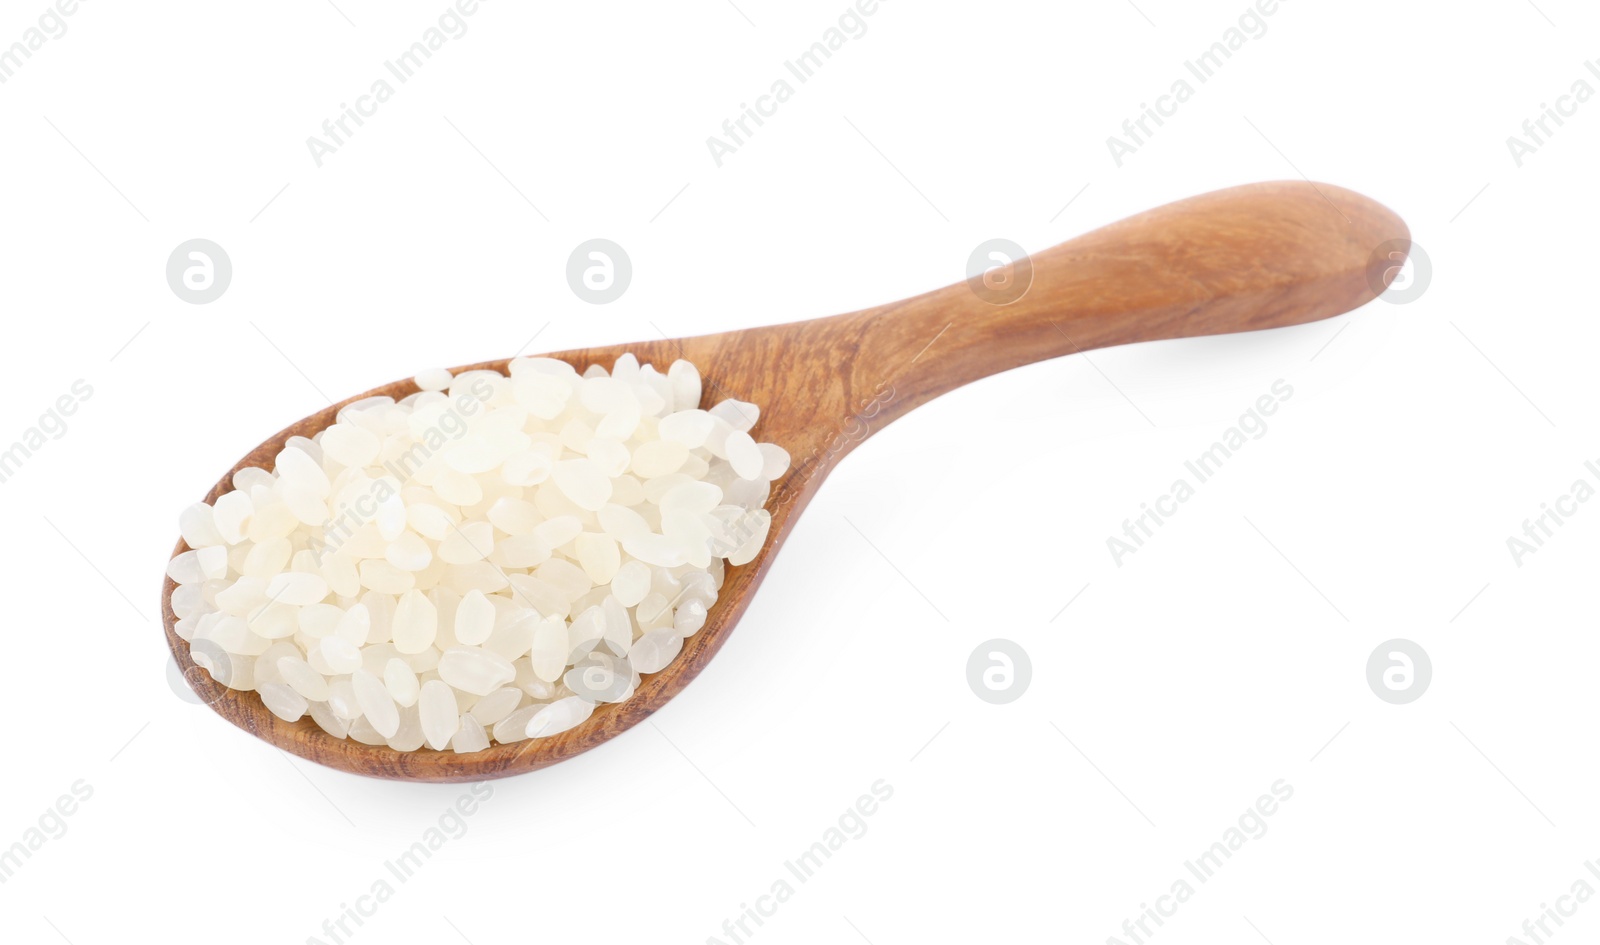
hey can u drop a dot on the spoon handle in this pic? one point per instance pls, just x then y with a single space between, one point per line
1259 256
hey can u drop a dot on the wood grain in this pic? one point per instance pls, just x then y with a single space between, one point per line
1253 257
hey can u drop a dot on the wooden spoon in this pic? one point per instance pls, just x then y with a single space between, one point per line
1259 256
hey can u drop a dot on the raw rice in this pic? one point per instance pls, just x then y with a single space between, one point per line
485 560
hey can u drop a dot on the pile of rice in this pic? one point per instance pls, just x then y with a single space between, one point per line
485 560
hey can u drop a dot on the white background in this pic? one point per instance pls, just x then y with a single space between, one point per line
1228 653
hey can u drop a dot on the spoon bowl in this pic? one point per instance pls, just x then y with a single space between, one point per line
1254 257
